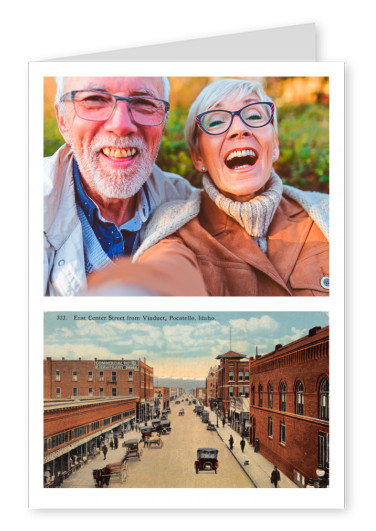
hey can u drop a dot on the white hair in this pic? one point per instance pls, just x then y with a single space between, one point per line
216 92
60 84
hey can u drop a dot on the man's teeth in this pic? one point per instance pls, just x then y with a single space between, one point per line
119 153
241 153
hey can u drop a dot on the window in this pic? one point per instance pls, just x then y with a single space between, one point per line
231 375
113 376
270 427
90 376
94 425
90 391
260 395
246 375
57 376
253 395
58 392
107 421
270 396
323 451
282 397
74 376
116 417
231 391
101 391
78 432
247 392
130 376
60 438
74 391
131 390
101 376
241 376
282 432
299 479
241 390
299 398
114 391
324 400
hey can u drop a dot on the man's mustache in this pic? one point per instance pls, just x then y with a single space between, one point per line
100 142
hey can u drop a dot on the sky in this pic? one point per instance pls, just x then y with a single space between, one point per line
176 345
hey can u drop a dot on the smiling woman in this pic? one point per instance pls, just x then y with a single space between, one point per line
249 234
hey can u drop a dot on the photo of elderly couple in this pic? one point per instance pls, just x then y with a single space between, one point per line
186 186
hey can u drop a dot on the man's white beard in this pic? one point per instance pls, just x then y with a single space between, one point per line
114 183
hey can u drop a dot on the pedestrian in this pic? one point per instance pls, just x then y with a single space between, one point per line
242 444
275 477
231 442
116 443
223 422
104 450
146 442
112 444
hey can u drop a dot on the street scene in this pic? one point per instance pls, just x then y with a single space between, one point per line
202 410
171 465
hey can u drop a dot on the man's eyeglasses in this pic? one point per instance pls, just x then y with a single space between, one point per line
98 106
253 115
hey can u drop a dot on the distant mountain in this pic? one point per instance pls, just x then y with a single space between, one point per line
187 384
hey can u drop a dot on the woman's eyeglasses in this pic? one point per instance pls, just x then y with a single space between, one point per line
254 115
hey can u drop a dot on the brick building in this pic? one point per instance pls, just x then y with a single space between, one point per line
162 397
75 428
289 406
66 379
211 385
233 380
200 393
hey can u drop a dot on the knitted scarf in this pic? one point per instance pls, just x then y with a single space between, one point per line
255 215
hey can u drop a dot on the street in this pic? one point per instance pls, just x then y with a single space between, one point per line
171 466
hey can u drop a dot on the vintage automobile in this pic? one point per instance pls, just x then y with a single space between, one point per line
132 448
199 410
177 402
155 423
194 401
146 431
205 416
210 426
165 427
168 409
155 441
206 460
181 411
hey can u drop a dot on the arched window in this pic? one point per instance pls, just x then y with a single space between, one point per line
260 395
253 395
299 398
282 397
270 395
324 399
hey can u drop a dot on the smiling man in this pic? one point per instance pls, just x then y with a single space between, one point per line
102 186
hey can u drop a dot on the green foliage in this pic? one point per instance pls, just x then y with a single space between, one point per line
304 146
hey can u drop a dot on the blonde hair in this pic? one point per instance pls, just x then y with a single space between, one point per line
216 92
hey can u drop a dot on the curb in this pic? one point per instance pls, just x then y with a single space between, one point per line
239 463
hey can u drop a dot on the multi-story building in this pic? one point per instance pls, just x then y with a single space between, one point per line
162 397
74 429
211 386
70 379
289 406
200 393
232 381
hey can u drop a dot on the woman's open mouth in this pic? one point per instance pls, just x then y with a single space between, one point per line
241 158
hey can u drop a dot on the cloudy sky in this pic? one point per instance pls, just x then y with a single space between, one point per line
176 344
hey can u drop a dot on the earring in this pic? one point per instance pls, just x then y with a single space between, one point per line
203 168
273 157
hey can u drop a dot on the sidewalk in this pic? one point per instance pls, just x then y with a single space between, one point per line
259 468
